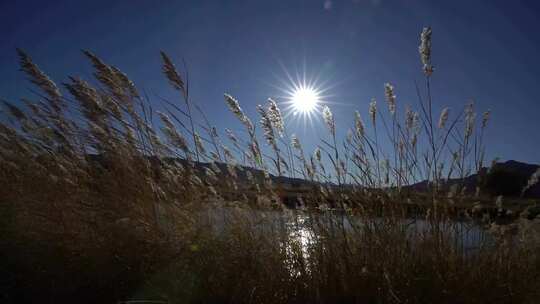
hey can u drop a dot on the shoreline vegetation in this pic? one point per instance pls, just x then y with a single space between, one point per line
105 199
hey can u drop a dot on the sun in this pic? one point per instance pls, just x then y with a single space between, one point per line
305 100
302 96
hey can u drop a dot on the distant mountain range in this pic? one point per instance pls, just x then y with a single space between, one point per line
504 178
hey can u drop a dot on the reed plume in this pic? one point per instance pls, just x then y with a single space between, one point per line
328 118
443 118
373 110
390 98
359 125
41 80
274 114
425 50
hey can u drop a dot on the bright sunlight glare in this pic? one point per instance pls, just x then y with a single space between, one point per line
303 96
305 100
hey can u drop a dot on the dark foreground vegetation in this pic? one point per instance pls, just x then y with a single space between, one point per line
96 206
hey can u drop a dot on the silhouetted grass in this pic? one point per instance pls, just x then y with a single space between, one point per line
101 202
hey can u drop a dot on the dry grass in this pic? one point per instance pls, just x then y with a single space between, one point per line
102 202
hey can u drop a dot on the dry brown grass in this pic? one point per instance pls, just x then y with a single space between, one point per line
100 202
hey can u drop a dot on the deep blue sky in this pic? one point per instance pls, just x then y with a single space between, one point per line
482 50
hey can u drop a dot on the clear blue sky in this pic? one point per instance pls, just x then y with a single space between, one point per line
482 50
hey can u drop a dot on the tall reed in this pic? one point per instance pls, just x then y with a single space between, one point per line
102 203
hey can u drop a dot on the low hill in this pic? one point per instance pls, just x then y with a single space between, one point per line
506 178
